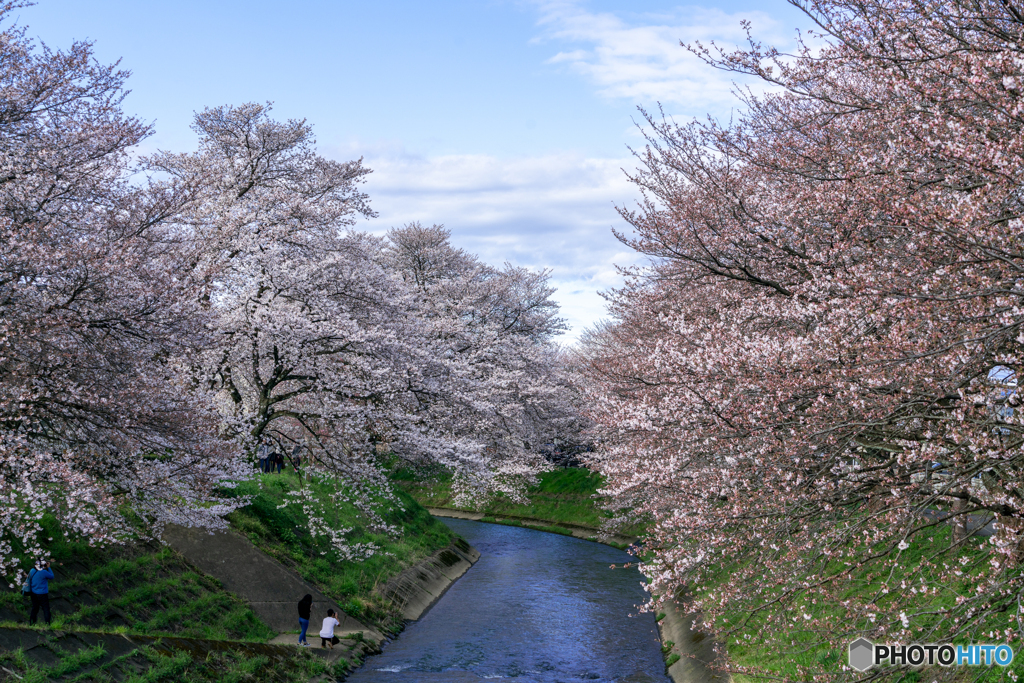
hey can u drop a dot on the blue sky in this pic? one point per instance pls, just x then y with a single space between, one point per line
508 121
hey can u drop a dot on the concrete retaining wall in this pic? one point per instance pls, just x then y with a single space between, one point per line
417 588
696 649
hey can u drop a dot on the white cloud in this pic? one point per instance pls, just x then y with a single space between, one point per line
644 62
555 211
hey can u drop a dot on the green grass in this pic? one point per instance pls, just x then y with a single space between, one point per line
153 665
563 496
144 588
282 532
139 589
782 648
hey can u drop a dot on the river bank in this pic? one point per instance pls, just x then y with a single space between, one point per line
537 607
566 497
620 541
566 501
689 652
235 587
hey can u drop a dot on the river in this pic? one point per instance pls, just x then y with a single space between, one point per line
535 607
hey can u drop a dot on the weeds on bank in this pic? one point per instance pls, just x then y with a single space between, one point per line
560 496
565 496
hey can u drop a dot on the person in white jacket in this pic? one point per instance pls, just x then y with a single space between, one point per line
327 637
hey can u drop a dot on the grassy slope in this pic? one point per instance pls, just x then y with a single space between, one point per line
563 496
784 652
140 589
151 665
280 532
149 589
146 589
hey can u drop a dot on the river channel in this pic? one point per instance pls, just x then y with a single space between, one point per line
535 607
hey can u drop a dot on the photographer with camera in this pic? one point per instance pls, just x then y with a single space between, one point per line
39 582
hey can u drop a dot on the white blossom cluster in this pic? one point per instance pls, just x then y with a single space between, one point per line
316 510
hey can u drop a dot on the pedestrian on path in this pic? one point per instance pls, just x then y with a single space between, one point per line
305 604
262 454
327 637
39 582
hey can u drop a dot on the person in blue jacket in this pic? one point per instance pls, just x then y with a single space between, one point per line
39 582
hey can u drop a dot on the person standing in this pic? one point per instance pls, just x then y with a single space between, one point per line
262 454
327 637
305 604
39 582
279 461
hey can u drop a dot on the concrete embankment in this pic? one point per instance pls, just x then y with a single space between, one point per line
417 588
584 532
681 634
679 630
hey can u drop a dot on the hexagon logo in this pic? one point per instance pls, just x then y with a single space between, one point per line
862 654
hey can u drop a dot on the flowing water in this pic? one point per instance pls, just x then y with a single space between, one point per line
535 607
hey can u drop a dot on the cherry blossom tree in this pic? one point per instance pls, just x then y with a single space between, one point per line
347 346
95 420
816 376
310 334
160 318
502 394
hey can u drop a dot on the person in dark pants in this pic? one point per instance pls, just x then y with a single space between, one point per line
327 637
262 454
305 604
279 461
40 585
